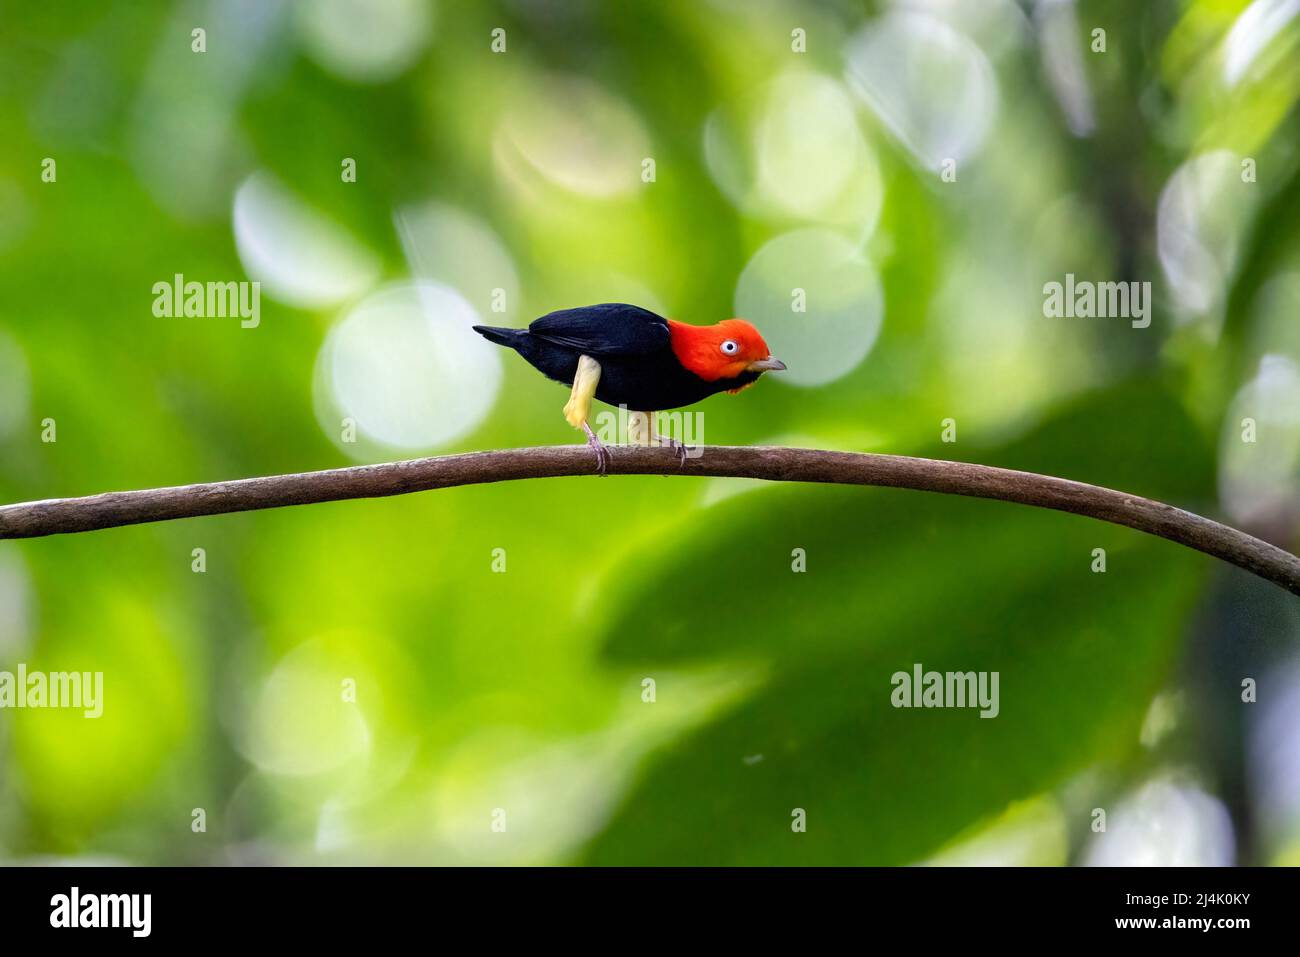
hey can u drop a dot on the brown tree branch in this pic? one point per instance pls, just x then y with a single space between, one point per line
111 509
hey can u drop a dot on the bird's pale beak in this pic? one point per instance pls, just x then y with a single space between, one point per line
766 365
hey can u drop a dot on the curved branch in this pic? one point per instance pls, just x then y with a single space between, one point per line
57 516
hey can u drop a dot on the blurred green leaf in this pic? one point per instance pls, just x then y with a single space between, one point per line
952 584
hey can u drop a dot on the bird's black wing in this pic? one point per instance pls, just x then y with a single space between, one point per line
609 329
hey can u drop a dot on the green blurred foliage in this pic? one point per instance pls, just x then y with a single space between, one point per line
523 691
968 584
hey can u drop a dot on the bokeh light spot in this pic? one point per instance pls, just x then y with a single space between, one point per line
1166 823
796 150
448 245
300 257
1259 450
575 135
837 288
406 366
930 85
300 724
365 41
1202 211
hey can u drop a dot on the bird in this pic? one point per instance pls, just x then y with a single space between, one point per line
627 356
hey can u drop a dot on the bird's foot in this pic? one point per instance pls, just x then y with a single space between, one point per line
602 453
674 444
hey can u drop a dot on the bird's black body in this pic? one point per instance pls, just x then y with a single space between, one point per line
638 367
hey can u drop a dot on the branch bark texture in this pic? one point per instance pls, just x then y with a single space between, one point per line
112 509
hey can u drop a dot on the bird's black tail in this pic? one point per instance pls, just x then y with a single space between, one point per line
504 337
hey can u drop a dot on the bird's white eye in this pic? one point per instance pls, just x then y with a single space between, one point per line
730 347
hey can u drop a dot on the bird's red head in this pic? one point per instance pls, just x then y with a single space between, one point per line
722 351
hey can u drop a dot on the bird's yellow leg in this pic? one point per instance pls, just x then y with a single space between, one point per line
578 408
585 381
641 428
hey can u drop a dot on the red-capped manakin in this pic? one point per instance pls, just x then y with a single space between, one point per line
627 356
